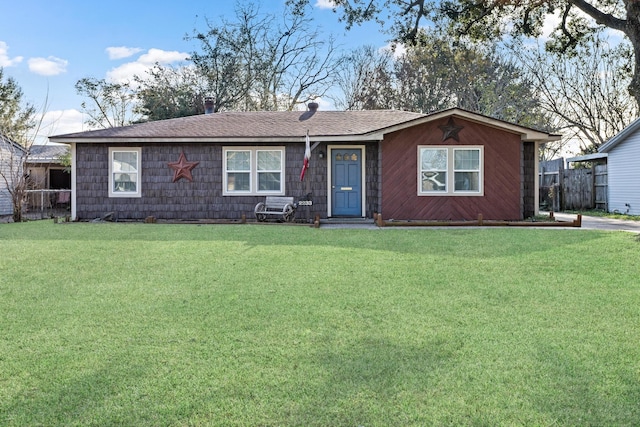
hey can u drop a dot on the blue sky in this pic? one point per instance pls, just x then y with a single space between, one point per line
47 46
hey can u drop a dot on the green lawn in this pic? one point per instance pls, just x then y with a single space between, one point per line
142 324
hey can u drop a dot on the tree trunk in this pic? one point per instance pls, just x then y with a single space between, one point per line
17 207
632 31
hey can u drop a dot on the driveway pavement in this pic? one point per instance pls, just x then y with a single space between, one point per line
598 223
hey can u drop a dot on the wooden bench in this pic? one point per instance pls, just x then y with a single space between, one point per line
278 206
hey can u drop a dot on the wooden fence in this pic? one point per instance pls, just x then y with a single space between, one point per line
43 203
572 189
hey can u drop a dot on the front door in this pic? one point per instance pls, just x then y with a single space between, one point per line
346 185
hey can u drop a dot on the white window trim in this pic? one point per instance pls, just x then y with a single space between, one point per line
126 194
450 185
253 171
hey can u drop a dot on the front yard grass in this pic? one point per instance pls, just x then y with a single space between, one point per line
139 324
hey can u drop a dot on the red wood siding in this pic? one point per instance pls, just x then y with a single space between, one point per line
502 182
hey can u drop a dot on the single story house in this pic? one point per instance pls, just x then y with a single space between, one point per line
623 152
448 165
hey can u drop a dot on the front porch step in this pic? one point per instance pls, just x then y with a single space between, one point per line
348 221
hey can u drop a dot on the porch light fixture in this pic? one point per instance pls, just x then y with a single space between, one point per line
321 154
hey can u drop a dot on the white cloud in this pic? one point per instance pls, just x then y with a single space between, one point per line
324 104
59 122
125 72
325 4
551 22
50 66
120 52
396 50
162 56
5 61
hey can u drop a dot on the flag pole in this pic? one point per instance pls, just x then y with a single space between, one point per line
308 152
308 183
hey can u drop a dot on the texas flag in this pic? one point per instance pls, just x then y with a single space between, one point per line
307 155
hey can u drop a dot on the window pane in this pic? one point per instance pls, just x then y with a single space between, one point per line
125 161
269 160
269 181
467 181
238 160
238 181
434 181
466 159
125 182
434 159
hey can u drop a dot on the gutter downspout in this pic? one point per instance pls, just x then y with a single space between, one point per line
74 216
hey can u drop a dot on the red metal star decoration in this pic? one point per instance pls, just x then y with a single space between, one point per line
182 168
450 130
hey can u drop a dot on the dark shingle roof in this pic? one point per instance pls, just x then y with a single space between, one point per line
46 153
283 126
276 124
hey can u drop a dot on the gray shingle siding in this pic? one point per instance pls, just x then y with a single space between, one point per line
203 198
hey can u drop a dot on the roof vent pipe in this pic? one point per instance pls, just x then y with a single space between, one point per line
313 106
208 105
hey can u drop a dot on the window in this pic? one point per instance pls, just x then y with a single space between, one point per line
253 171
433 171
450 171
124 172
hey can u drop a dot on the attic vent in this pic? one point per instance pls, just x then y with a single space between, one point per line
313 106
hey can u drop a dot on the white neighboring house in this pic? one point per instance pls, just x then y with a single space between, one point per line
623 168
11 156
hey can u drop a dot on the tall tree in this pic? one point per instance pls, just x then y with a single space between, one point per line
167 92
109 104
482 19
263 62
439 73
586 92
220 63
18 130
365 80
17 117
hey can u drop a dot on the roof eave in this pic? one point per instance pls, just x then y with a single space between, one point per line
526 134
621 136
376 136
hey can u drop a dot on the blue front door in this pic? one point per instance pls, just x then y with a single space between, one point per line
346 182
